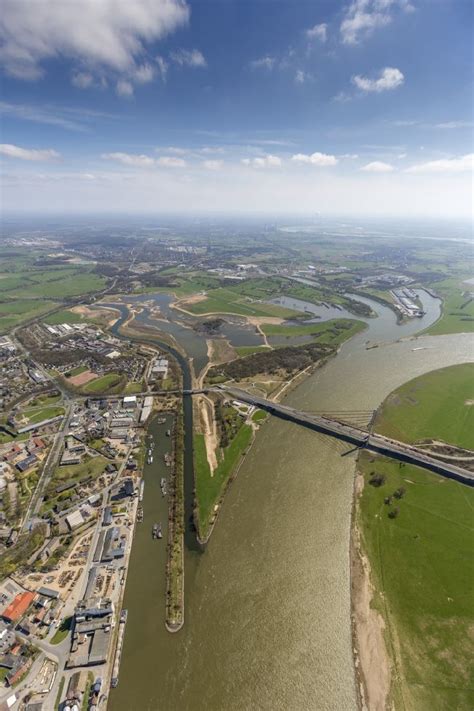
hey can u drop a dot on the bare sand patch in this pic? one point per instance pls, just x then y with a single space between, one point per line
208 423
260 320
82 378
193 299
105 312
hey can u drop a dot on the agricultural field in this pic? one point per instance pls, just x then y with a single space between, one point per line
420 550
438 405
458 308
27 291
13 313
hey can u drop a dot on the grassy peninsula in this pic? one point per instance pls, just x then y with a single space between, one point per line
414 534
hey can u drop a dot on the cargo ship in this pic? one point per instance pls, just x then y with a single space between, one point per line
142 489
163 486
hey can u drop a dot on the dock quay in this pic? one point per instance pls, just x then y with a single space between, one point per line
118 649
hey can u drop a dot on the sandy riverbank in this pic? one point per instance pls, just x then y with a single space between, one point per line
372 664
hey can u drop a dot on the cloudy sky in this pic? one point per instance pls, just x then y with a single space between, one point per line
279 106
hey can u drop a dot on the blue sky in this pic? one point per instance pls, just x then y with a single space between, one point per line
360 107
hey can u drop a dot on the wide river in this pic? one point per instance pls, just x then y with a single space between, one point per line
267 616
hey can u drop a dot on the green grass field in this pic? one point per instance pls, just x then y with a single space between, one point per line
45 400
243 351
77 371
24 290
15 312
45 413
62 631
333 332
54 283
63 316
437 405
105 384
458 309
209 488
93 466
227 300
423 570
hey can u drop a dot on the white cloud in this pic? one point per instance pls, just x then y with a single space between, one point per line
268 161
237 189
162 67
301 77
377 166
176 150
188 58
389 78
213 164
318 32
124 88
350 156
104 36
33 154
145 161
263 63
342 97
322 160
144 73
73 119
83 80
363 17
454 124
445 165
171 162
131 159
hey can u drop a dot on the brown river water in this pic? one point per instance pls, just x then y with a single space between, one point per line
267 612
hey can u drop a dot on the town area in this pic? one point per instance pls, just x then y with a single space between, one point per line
71 489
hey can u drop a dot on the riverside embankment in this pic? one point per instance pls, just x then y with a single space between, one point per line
268 606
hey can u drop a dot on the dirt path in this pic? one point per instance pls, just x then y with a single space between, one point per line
371 658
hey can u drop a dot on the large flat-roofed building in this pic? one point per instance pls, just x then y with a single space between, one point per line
91 634
74 520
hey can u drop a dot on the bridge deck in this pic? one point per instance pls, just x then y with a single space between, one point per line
374 442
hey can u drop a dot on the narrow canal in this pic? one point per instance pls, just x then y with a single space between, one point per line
148 553
267 618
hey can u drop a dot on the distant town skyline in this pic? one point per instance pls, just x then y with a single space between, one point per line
359 107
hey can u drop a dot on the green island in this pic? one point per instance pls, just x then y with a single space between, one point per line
416 530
